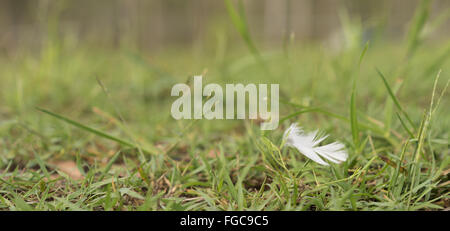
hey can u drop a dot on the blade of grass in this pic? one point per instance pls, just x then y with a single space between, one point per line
421 139
353 111
404 125
398 168
239 21
394 98
109 165
418 23
92 130
353 117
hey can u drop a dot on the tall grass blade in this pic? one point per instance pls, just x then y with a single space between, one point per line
394 98
239 21
417 25
411 135
92 130
353 111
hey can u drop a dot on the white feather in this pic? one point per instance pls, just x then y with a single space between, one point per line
307 144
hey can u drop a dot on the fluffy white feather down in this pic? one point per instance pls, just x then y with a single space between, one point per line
307 144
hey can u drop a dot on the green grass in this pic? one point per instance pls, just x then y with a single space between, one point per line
107 111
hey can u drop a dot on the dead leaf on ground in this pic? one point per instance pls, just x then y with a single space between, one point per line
213 153
70 168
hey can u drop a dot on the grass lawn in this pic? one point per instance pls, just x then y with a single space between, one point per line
89 128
